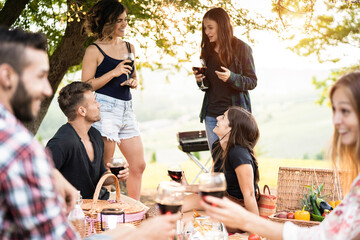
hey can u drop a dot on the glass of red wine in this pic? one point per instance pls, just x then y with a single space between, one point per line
169 197
129 56
200 66
213 184
175 172
117 165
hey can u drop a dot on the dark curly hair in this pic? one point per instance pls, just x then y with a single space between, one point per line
71 96
101 18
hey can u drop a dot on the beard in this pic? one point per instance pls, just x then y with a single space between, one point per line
93 119
21 103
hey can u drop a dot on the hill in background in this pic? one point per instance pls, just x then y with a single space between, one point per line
291 124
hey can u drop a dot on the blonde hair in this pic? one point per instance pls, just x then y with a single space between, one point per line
347 157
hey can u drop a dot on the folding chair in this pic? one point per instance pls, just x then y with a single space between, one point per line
194 141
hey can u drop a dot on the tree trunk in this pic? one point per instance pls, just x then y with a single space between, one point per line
11 11
69 53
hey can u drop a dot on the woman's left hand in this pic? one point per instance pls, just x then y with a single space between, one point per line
223 76
132 82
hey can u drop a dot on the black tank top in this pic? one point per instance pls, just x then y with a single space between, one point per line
113 88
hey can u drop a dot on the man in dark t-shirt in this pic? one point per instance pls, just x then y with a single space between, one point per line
77 148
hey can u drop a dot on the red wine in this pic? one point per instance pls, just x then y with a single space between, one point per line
166 209
131 64
116 170
200 70
175 175
218 194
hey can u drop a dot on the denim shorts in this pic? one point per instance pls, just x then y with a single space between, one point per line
117 119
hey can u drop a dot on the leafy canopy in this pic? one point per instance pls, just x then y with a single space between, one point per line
331 32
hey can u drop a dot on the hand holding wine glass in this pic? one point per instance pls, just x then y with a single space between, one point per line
199 69
118 164
121 69
130 58
213 184
169 197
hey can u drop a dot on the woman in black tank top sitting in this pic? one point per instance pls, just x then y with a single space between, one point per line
112 75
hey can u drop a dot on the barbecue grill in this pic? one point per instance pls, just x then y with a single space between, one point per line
194 141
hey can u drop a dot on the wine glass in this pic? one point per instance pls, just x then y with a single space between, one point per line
129 56
117 165
200 66
175 172
213 184
169 197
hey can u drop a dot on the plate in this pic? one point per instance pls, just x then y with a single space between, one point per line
203 228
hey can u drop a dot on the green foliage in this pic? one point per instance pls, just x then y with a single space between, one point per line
339 26
307 202
153 157
324 85
320 155
197 154
46 16
329 31
165 29
287 10
40 138
312 191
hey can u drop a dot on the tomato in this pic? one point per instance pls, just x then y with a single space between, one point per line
326 212
291 215
254 236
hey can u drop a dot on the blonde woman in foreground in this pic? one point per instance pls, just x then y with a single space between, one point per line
344 221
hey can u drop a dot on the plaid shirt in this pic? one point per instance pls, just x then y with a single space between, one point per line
29 206
242 79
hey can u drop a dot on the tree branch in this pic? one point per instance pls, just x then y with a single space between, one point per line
69 53
11 11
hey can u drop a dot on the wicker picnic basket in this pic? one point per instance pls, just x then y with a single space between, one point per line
290 189
134 211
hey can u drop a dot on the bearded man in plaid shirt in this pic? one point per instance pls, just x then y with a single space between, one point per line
30 208
34 197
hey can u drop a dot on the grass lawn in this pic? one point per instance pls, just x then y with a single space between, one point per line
156 172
